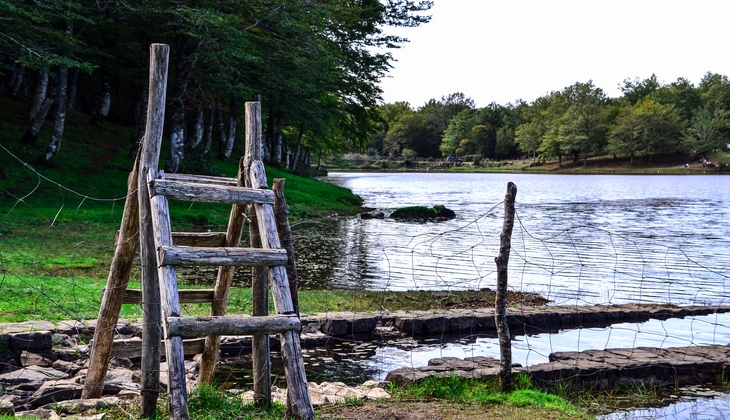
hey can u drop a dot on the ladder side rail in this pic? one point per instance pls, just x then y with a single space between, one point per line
298 401
177 391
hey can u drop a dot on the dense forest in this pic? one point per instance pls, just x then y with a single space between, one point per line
315 66
574 123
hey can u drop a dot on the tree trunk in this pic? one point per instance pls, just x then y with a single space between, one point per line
270 135
319 161
560 161
140 118
233 114
295 158
60 117
41 91
208 132
103 102
18 80
177 136
278 139
196 134
73 86
220 129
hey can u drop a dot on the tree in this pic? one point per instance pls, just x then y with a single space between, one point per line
706 131
635 90
582 128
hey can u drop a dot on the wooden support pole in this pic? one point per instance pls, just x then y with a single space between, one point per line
281 210
500 306
200 326
223 287
177 396
299 404
116 286
260 352
151 316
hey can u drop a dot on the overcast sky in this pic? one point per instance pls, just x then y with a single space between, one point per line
504 50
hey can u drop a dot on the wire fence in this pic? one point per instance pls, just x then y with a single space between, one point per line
575 290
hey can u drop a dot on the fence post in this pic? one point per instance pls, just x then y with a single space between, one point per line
151 316
500 304
260 351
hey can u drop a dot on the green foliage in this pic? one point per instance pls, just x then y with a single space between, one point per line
208 402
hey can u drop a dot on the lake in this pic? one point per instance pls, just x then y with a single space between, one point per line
578 239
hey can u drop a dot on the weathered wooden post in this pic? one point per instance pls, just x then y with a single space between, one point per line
281 211
116 285
151 317
260 352
500 305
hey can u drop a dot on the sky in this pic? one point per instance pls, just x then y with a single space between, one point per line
504 50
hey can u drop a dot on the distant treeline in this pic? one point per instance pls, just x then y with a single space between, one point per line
575 123
314 65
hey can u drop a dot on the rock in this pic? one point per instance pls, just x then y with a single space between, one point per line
6 408
77 406
52 391
33 359
36 341
423 214
336 327
31 378
377 215
40 413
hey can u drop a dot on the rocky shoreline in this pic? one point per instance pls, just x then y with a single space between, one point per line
43 364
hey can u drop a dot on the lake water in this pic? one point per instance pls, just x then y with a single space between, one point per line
578 239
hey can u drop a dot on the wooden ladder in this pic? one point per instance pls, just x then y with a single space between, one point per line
177 327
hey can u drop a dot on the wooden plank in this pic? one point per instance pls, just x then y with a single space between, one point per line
298 400
189 255
202 179
151 318
116 285
209 358
189 191
199 239
177 396
200 326
134 296
261 351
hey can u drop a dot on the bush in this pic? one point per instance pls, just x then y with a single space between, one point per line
408 154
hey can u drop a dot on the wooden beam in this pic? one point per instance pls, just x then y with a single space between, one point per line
200 256
200 326
210 239
189 191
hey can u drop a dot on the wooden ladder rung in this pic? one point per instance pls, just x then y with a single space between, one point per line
201 179
209 239
202 326
189 191
132 347
134 296
193 255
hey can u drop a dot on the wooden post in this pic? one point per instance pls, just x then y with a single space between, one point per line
281 211
299 404
223 286
177 398
151 321
260 352
500 305
116 285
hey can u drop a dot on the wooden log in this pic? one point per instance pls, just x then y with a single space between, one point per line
261 352
114 293
209 359
210 193
500 305
131 348
202 179
177 391
281 211
134 296
210 239
299 403
188 255
193 327
151 318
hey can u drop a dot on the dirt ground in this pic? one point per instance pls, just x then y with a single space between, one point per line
669 161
